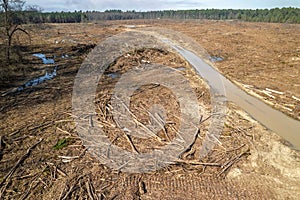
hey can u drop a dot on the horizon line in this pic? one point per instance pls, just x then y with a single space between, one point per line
114 9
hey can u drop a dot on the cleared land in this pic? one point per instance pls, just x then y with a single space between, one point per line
249 162
258 56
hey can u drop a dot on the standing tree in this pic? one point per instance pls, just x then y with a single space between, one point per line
12 20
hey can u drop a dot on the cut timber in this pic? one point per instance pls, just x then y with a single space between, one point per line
248 86
269 94
274 91
296 98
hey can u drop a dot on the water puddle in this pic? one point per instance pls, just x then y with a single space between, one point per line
215 59
47 76
39 80
65 56
44 59
114 75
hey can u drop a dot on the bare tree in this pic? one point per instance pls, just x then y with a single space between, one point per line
12 10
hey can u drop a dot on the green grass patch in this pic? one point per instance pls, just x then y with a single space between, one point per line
61 144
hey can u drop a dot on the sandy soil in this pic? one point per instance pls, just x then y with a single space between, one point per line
248 163
256 56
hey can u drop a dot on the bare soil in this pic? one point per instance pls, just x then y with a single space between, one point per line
256 56
249 161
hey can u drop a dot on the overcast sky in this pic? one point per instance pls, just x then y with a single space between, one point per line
146 5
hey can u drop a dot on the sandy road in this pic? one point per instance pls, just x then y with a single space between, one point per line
274 120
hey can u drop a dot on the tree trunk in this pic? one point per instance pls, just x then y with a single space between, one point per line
8 49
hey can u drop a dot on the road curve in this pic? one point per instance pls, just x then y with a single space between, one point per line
272 119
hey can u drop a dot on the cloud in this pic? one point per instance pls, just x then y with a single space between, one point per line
69 5
145 5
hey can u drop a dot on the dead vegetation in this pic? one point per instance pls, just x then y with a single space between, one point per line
42 157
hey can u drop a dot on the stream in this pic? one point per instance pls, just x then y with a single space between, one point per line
46 76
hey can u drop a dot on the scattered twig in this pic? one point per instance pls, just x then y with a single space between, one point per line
24 177
141 91
129 140
178 132
64 120
57 169
108 149
90 189
64 195
68 157
83 152
160 123
148 130
232 161
139 123
8 176
1 148
243 132
44 125
192 144
195 136
32 185
104 123
70 114
235 149
100 110
122 166
62 173
192 162
1 143
64 131
7 106
67 194
20 138
91 121
131 143
15 132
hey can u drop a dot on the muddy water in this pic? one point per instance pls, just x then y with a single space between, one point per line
272 119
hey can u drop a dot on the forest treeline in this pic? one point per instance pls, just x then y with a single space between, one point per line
277 15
